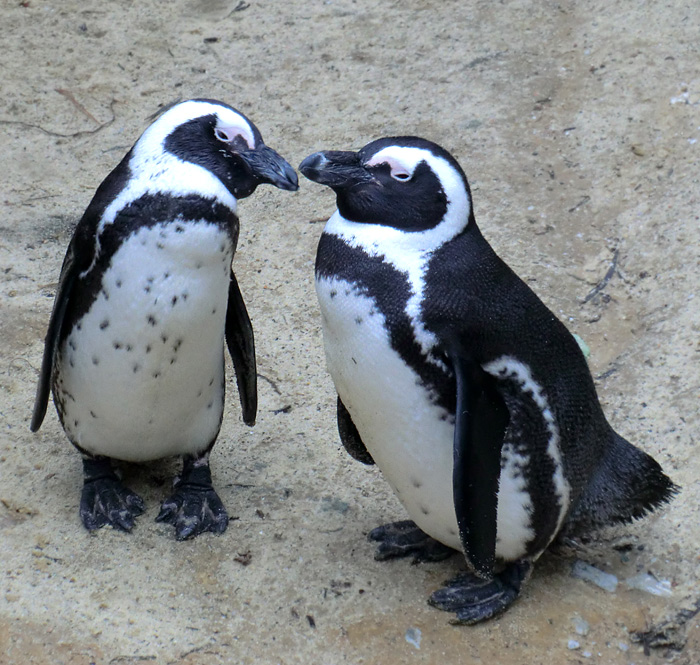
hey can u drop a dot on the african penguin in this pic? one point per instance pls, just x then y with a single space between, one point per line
134 353
473 399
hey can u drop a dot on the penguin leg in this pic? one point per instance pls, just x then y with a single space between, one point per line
105 500
474 599
402 539
194 507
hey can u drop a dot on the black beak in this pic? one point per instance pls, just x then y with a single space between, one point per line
334 168
269 167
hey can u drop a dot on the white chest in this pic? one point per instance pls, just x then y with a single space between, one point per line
410 438
141 374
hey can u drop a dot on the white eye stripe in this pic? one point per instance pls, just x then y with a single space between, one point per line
228 120
228 131
401 164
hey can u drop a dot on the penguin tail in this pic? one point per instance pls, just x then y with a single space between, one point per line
626 486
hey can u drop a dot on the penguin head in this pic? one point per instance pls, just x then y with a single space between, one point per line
407 183
219 138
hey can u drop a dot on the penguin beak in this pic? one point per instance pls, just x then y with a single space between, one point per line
270 167
335 169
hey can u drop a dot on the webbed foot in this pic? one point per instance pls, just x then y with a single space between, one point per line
474 600
105 500
194 507
402 539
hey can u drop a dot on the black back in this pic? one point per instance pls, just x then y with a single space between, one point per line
471 292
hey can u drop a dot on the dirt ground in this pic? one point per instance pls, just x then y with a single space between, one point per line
577 124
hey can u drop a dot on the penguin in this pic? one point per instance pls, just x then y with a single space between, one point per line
473 399
134 353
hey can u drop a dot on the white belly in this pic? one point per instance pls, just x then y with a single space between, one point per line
142 375
409 437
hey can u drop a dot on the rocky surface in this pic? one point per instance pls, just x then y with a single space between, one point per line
577 124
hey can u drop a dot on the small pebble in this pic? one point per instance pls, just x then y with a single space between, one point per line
623 647
648 583
332 503
585 349
573 644
584 571
413 636
581 626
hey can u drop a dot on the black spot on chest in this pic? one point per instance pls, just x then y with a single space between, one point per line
148 211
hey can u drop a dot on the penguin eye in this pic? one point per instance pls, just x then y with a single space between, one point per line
400 175
221 135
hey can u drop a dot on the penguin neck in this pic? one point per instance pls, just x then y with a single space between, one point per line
154 174
396 245
154 171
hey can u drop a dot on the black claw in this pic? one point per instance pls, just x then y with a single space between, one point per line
465 589
105 500
194 507
468 616
168 510
402 539
405 528
474 599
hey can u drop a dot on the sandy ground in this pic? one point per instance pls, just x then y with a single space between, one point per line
577 124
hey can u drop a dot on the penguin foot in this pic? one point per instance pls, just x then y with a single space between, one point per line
474 600
402 539
105 500
194 507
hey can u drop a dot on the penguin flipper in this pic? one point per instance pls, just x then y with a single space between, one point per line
82 251
241 346
481 419
350 437
69 273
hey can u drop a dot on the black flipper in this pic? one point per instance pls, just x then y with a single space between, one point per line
350 437
81 251
194 507
481 419
69 273
241 346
